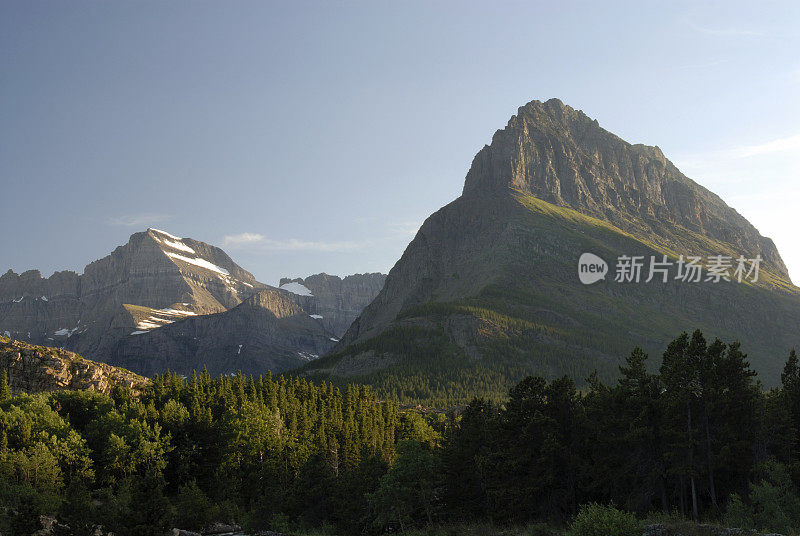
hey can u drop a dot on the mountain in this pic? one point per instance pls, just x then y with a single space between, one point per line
336 301
34 369
154 279
268 331
164 302
488 290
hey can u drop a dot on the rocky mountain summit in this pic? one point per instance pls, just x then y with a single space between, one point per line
35 369
555 153
336 301
122 308
151 281
488 290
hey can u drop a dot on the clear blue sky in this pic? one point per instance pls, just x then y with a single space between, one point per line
306 137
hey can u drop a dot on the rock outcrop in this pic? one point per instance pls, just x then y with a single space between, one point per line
337 301
36 369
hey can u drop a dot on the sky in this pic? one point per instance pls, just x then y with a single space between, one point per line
306 137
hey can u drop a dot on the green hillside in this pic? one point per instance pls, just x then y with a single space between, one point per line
529 314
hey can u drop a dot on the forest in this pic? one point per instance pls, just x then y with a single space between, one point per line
696 438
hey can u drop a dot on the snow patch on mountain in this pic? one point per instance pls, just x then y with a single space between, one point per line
145 324
202 263
159 231
64 332
179 245
162 317
296 288
170 311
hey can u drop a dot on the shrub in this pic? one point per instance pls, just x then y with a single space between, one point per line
596 520
772 504
737 513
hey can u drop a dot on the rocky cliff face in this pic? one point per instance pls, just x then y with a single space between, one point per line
35 369
122 308
268 331
337 301
155 271
557 154
492 277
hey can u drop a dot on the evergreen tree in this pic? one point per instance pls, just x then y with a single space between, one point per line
680 374
640 408
466 447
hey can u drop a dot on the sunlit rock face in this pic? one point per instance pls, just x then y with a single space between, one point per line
36 369
163 302
489 283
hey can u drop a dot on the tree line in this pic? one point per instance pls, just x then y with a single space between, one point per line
698 438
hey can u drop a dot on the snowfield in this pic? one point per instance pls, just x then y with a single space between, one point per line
296 288
202 263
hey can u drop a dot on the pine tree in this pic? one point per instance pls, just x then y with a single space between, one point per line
679 371
638 411
790 381
466 446
735 407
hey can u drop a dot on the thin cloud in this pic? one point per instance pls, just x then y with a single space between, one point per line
730 31
717 158
243 239
258 241
792 143
704 65
138 220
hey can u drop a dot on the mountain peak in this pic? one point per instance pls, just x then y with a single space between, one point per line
558 154
164 302
488 291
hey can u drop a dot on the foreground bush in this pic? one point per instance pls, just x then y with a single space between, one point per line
596 520
771 505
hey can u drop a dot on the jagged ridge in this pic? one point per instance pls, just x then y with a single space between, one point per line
493 275
558 154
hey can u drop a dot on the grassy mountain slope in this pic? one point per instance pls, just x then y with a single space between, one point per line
503 300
